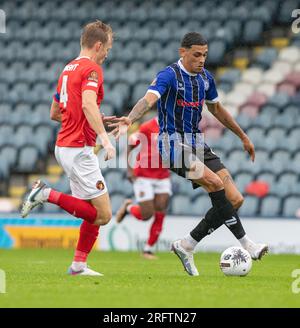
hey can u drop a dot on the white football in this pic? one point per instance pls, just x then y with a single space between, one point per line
235 261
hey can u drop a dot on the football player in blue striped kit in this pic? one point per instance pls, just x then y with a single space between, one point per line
179 91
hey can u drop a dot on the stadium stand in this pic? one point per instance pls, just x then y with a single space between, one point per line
255 57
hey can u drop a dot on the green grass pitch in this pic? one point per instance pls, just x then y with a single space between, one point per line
37 278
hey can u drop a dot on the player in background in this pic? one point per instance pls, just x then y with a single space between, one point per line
151 184
180 91
76 106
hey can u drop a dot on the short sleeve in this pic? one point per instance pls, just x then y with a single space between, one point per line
92 79
211 94
162 82
56 96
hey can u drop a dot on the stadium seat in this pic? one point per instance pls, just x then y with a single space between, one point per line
287 88
266 176
266 58
279 100
116 201
291 205
249 207
27 159
252 75
282 66
256 99
256 134
113 178
290 55
252 31
9 154
6 133
242 180
217 51
270 206
230 76
200 205
180 204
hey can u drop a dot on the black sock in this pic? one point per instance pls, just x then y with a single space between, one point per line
221 212
207 225
234 224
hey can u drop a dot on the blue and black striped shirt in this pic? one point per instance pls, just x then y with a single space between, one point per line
181 98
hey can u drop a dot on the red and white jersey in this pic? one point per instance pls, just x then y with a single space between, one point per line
79 75
148 162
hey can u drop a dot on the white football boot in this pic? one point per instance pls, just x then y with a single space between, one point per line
257 251
186 258
86 271
35 198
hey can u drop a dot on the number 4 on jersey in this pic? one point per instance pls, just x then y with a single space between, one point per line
63 92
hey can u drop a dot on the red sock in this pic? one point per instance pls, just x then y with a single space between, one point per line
135 210
87 236
156 228
75 206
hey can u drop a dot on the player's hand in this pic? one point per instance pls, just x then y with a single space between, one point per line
249 147
107 119
110 151
120 126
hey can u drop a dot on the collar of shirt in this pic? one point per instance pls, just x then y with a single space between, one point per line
82 57
182 67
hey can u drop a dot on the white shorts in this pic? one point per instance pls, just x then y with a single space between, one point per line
82 168
146 188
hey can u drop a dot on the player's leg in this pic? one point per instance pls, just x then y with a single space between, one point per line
161 201
214 218
77 204
144 195
256 250
88 235
234 224
231 190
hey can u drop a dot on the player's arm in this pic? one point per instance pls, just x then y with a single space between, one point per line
155 91
227 120
55 113
93 116
142 106
121 124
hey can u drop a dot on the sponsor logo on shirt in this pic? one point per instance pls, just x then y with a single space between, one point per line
183 103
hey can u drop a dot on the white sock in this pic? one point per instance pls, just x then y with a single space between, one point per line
78 266
46 193
246 242
189 243
148 248
128 208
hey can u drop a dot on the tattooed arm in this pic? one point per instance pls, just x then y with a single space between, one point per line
142 106
122 124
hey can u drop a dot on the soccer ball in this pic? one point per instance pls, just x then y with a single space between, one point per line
235 261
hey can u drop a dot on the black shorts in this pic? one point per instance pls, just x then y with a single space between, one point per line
211 160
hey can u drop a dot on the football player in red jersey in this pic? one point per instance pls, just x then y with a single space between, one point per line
151 184
76 106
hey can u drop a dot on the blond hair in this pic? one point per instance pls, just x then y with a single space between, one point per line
94 32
